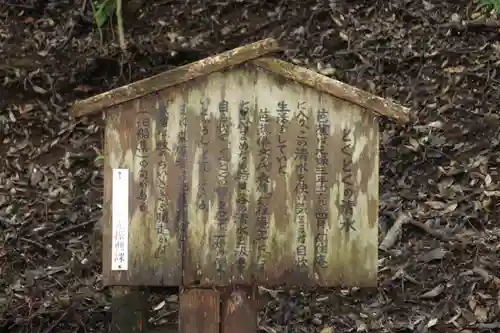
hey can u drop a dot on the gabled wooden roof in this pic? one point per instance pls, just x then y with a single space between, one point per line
256 53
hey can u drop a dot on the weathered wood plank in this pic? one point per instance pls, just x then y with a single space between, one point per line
199 311
267 181
202 193
212 232
297 230
336 88
284 189
174 77
346 240
129 310
131 137
239 312
167 183
244 214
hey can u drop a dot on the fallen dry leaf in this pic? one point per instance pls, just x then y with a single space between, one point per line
435 254
437 205
436 291
327 330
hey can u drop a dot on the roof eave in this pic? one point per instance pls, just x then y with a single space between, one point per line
364 99
174 77
254 53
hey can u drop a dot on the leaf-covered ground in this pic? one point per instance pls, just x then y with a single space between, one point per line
441 58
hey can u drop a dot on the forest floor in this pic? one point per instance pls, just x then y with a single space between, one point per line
441 58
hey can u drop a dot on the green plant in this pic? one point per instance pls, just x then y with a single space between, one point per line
99 158
103 10
493 4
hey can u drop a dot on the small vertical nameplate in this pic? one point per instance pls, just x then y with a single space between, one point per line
119 220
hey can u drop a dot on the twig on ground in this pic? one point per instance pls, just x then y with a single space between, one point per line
69 34
84 5
431 231
40 246
394 232
487 326
8 4
480 23
69 229
48 330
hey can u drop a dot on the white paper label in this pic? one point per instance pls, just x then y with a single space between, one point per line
119 220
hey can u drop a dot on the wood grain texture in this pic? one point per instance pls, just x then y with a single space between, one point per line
173 77
129 308
252 178
336 88
271 200
239 312
134 141
255 53
199 311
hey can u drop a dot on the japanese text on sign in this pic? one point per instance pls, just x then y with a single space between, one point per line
321 190
347 204
162 216
143 125
203 164
263 185
222 185
242 199
181 162
119 220
283 122
301 188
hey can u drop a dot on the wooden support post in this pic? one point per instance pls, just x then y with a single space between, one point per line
199 311
239 311
129 310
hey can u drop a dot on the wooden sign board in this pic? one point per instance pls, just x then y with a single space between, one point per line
241 177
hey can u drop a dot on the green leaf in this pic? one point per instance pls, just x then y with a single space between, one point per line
99 158
103 10
493 3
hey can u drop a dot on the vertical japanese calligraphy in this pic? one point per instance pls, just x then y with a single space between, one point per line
162 216
242 199
263 186
244 178
181 153
348 181
283 122
321 187
143 124
301 188
222 185
204 164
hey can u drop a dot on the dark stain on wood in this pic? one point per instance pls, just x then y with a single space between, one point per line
129 308
227 139
199 311
239 311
